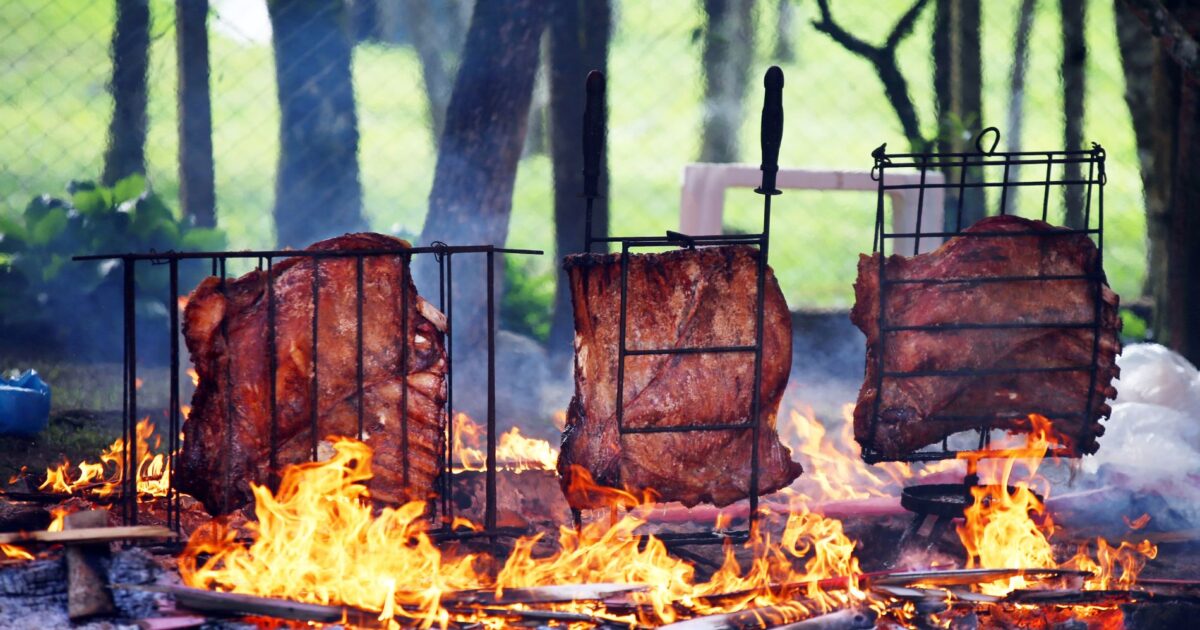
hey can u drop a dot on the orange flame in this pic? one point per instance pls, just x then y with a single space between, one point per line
194 375
153 470
833 465
514 451
1008 527
12 552
319 540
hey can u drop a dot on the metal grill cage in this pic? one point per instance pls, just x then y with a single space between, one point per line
443 514
772 132
982 176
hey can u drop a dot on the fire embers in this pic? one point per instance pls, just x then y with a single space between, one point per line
258 404
669 439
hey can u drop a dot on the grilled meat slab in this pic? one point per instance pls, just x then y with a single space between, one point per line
678 299
915 411
228 436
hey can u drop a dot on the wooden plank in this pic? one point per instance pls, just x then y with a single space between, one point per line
237 604
89 535
541 594
87 579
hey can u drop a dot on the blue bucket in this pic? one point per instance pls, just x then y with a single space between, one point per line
24 404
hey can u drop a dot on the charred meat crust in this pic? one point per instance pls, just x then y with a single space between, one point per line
682 298
917 411
226 331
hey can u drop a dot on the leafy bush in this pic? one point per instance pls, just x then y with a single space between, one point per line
528 301
54 302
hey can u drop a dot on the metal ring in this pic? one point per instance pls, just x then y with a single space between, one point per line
979 141
439 250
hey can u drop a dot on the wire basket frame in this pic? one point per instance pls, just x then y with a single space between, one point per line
443 514
772 132
974 170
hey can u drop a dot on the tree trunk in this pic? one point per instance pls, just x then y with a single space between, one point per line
579 35
1074 61
437 31
958 85
1016 90
1138 60
1176 231
126 152
728 52
785 32
197 196
471 199
317 190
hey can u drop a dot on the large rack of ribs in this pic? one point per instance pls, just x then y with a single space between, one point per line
684 298
915 411
227 332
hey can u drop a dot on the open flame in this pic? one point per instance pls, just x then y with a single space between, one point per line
104 478
514 451
833 465
318 539
1008 526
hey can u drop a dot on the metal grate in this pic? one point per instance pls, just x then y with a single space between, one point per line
980 164
772 133
265 261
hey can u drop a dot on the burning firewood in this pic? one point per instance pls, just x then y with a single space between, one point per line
87 581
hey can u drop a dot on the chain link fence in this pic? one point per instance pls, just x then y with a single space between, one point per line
55 108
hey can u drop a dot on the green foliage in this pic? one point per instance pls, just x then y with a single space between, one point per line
42 289
528 298
1133 328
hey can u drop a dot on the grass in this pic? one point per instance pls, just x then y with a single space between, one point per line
54 111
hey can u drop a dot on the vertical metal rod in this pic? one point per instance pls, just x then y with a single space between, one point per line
1046 192
1004 189
358 341
129 500
405 279
1087 203
1097 298
316 364
273 362
920 208
587 230
883 287
229 406
173 514
491 390
447 488
621 349
962 182
755 396
449 311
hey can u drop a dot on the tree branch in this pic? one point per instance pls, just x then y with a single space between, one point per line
884 60
840 35
904 27
1176 40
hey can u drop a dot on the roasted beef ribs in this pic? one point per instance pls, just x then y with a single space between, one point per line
678 299
915 411
228 436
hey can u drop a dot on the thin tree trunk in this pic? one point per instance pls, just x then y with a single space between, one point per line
471 199
1176 231
317 189
958 85
728 52
437 32
1074 61
1016 89
1139 58
785 32
126 153
970 100
579 36
197 196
